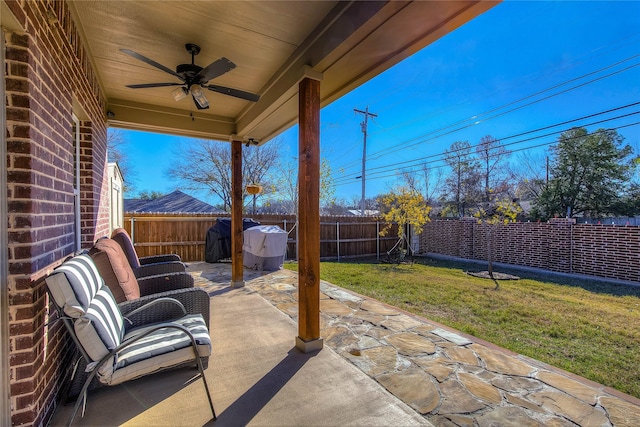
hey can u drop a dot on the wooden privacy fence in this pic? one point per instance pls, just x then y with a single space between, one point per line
185 234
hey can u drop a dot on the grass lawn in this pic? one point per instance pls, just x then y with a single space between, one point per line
586 327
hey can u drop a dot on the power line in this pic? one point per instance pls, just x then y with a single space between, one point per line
519 107
377 174
480 115
388 167
395 173
544 128
530 132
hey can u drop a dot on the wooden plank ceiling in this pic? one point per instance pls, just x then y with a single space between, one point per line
272 44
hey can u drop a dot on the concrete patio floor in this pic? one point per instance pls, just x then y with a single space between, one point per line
256 377
380 366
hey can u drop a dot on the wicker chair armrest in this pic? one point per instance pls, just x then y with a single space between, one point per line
164 282
159 268
152 259
194 300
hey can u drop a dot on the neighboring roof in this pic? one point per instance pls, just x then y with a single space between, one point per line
176 202
367 212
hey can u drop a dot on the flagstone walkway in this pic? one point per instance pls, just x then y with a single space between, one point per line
450 378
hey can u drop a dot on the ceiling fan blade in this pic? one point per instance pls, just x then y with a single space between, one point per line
145 85
215 69
234 92
151 62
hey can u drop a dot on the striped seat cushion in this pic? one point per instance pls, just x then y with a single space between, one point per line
101 329
160 349
77 287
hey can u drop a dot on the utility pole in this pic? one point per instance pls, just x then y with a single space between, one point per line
364 151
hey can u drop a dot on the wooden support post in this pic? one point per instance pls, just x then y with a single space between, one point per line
237 239
309 217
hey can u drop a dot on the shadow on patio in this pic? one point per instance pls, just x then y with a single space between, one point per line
380 366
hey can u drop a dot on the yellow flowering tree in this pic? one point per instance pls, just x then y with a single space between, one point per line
502 212
403 206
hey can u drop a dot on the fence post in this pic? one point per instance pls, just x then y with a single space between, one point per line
286 251
133 221
338 238
378 240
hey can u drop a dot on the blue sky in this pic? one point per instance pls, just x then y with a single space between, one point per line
517 68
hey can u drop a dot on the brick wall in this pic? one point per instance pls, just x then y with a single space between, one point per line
46 70
560 245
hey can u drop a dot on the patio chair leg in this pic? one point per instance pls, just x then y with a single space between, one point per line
82 398
206 386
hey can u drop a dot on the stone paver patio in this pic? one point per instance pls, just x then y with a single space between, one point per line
450 378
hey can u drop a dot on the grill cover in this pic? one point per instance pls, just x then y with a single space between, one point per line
264 247
218 239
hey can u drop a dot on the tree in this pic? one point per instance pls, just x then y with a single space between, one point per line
425 180
589 173
492 154
116 153
286 184
206 165
150 195
327 184
529 174
502 211
286 196
462 183
403 206
336 207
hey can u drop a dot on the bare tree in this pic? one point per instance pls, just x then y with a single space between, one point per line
425 180
529 173
286 184
491 154
461 186
116 153
206 165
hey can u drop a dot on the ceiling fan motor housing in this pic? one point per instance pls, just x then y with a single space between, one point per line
188 70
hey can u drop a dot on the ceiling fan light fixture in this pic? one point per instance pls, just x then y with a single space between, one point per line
199 98
180 93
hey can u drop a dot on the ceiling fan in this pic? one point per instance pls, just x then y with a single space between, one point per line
193 78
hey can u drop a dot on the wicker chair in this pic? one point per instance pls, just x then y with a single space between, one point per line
118 345
121 236
123 281
131 293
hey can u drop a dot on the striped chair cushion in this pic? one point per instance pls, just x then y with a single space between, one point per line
74 284
78 288
160 349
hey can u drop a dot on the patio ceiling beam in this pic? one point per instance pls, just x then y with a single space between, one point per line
265 118
355 42
174 121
